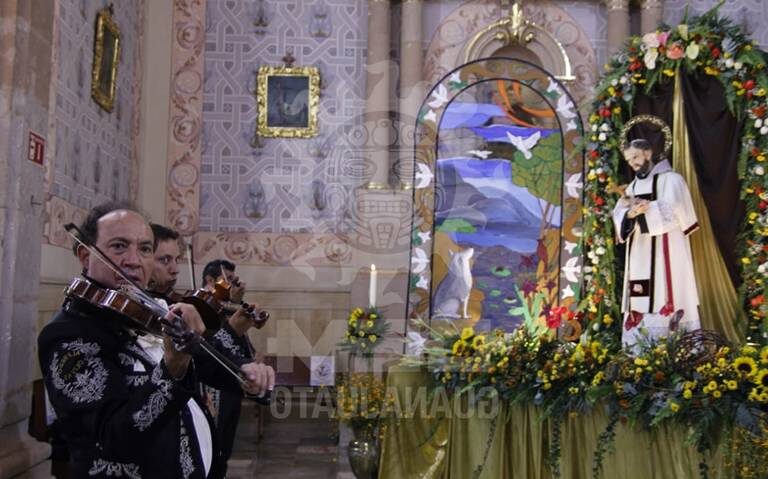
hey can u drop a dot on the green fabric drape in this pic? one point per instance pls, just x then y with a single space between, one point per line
520 445
718 301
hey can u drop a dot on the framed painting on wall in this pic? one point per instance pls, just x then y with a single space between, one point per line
106 54
288 99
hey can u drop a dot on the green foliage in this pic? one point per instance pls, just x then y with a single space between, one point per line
542 173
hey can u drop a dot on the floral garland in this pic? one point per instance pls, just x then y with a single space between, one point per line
707 44
365 331
658 384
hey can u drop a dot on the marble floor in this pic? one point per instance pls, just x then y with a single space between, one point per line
292 447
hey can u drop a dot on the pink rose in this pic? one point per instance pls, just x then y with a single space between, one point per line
675 52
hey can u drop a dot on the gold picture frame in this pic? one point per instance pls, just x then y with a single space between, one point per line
288 99
106 55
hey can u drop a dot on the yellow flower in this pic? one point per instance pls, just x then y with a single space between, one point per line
687 394
717 394
745 366
762 378
764 355
607 319
711 71
731 385
478 341
674 406
369 324
373 316
467 333
372 338
573 390
458 347
669 72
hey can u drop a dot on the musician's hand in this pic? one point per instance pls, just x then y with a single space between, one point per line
237 290
190 315
259 378
241 320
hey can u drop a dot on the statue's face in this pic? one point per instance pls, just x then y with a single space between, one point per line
639 160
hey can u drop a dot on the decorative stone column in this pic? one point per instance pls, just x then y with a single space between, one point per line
651 13
377 93
26 42
618 24
411 86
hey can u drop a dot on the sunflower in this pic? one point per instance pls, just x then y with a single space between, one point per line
467 333
764 355
762 378
745 366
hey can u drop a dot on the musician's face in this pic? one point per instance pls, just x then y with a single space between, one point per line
639 160
126 238
166 267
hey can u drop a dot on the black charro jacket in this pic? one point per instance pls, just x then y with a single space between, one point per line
119 422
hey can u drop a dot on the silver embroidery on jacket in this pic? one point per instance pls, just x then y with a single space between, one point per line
156 403
125 359
228 342
185 455
78 373
136 379
136 349
116 469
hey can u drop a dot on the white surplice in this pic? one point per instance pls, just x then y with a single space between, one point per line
653 290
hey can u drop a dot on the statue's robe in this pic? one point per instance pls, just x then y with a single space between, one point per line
659 278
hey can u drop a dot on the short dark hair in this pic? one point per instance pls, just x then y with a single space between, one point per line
640 144
163 233
213 268
89 228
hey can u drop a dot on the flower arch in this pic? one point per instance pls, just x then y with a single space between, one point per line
708 45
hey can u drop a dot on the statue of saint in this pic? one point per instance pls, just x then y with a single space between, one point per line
654 217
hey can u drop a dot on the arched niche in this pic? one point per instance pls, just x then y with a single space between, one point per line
497 196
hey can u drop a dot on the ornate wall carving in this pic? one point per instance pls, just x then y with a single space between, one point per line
92 154
447 44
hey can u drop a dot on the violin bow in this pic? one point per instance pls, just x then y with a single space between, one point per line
191 262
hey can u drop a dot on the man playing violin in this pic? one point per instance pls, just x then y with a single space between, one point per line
168 255
125 404
229 403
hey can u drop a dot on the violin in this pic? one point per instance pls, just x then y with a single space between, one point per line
148 316
205 303
222 288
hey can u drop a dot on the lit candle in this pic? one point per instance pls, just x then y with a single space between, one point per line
372 288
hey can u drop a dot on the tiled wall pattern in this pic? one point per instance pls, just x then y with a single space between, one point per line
751 15
279 185
94 158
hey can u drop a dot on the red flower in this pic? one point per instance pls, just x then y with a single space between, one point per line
594 154
716 52
762 205
749 84
757 300
605 112
555 317
599 201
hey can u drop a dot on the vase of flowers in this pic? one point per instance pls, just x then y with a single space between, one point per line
363 452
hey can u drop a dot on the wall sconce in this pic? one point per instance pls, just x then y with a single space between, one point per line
320 22
261 19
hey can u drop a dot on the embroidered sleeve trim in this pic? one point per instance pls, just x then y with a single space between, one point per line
158 400
78 373
116 469
227 341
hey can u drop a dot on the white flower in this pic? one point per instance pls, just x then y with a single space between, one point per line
759 171
602 137
605 127
650 58
614 82
692 51
623 80
764 130
737 65
594 127
682 29
651 40
758 123
600 251
729 63
761 269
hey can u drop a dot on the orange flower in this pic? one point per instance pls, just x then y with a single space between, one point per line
675 52
757 300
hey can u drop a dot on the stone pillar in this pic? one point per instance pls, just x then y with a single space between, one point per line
411 86
618 24
26 42
377 93
651 13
